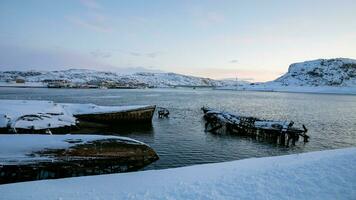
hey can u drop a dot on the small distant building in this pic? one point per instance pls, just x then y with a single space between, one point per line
20 79
57 83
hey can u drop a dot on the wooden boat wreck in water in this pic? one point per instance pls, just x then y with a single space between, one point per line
25 157
137 114
24 116
280 132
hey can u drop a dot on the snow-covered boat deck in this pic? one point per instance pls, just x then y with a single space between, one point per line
42 115
317 175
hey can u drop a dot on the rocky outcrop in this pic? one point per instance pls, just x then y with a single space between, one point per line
321 72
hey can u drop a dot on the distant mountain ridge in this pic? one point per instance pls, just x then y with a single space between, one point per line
320 72
336 72
92 77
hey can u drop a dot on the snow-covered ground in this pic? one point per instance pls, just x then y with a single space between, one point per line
85 76
19 148
23 85
317 175
273 87
336 75
321 72
38 115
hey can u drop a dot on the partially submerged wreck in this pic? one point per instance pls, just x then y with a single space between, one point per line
24 116
280 132
35 157
111 114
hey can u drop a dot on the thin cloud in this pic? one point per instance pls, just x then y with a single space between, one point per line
97 23
233 61
135 54
203 17
150 55
100 54
91 4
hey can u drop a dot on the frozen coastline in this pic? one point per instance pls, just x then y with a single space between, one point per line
317 175
295 89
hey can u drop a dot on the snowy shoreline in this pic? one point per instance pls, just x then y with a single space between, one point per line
327 174
294 89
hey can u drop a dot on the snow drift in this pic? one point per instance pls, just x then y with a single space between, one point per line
317 175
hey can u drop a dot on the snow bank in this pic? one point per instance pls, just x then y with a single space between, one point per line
317 175
19 148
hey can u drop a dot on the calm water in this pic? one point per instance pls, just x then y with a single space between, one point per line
181 140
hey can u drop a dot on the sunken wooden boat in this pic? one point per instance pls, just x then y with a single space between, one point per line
26 157
30 116
131 114
280 132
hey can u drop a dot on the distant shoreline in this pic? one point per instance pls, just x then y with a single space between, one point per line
296 89
261 88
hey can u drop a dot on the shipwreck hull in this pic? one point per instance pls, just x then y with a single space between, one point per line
136 115
276 131
93 158
56 130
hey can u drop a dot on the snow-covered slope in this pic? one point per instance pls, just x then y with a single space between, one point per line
321 72
316 175
172 79
92 77
337 76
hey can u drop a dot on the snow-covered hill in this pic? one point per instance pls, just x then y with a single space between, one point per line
93 77
316 76
321 72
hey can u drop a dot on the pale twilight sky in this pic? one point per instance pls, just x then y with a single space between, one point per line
253 39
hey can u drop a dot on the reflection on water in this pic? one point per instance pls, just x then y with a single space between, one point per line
180 140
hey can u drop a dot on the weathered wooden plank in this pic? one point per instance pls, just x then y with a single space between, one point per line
280 132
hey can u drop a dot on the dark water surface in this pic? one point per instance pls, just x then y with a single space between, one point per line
181 140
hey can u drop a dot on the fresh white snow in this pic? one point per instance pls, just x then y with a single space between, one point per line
336 76
38 115
316 76
23 85
321 72
81 76
317 175
17 148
